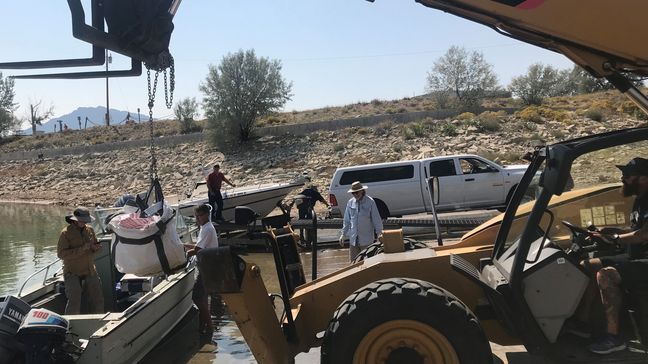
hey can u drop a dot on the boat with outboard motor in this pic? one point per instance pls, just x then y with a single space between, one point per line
140 311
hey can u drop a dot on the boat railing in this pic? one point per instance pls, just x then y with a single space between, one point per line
277 178
45 276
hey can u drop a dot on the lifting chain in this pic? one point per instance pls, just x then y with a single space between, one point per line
169 87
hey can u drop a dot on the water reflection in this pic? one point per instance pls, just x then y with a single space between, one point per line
231 346
28 237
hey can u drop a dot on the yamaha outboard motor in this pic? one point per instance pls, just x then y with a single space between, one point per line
12 312
43 334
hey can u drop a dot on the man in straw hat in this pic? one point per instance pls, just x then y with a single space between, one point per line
362 222
76 247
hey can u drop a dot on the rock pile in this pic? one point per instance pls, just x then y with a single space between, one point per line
100 178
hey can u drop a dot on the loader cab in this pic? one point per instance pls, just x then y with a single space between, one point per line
533 280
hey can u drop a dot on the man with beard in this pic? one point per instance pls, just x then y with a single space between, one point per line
628 270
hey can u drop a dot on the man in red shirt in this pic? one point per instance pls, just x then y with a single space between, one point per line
214 183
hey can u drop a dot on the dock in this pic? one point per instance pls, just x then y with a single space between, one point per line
463 220
450 224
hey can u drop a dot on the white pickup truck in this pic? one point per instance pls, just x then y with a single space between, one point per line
465 182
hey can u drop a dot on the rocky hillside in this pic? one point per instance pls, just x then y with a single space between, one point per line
100 178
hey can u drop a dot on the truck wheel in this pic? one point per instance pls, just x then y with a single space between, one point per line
401 320
383 210
377 248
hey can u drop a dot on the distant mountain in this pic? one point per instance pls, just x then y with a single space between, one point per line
95 115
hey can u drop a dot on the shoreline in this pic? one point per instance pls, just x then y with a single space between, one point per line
30 202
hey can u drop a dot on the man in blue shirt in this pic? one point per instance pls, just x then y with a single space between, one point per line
362 222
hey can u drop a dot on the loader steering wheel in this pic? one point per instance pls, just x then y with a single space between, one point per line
583 238
577 229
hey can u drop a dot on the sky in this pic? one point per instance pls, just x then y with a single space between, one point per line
335 52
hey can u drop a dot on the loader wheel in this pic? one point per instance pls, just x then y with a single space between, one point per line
402 320
377 248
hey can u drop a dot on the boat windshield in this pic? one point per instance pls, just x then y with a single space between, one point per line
99 224
593 196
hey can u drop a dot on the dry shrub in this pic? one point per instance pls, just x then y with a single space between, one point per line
358 160
630 108
627 107
466 116
489 121
594 114
383 128
430 122
602 105
419 128
448 129
539 114
530 114
363 131
406 132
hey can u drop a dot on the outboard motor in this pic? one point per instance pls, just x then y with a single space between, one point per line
244 215
12 312
43 333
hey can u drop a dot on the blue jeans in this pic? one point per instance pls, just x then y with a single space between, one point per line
216 201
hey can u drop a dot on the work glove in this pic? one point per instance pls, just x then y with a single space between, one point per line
341 240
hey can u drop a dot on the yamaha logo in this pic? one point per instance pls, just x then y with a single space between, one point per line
14 314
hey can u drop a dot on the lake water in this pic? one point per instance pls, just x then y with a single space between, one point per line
28 237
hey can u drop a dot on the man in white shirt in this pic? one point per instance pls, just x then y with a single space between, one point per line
207 238
362 222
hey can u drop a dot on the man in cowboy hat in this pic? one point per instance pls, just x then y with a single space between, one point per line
76 247
362 222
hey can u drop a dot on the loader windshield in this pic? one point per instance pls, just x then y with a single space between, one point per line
593 196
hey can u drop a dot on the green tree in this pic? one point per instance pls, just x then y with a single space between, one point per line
539 82
241 89
579 81
8 122
465 75
185 111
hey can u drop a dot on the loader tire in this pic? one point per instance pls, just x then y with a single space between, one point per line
377 248
403 320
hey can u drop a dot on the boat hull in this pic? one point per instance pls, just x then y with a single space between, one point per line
128 336
262 201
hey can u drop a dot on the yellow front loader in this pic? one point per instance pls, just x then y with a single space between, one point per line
403 305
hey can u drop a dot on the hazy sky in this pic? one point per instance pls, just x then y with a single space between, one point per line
334 51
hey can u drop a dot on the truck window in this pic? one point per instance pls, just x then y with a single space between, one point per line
472 165
443 168
377 174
